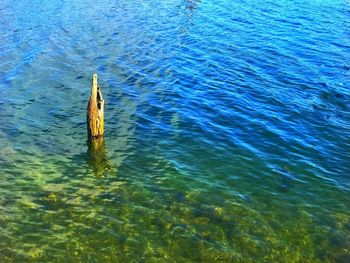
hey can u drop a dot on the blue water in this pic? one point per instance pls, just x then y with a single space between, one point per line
227 131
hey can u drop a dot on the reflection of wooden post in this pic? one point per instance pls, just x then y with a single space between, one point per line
97 157
95 112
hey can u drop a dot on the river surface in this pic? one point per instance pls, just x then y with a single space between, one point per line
227 131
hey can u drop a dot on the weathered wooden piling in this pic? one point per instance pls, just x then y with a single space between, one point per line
95 128
95 112
96 153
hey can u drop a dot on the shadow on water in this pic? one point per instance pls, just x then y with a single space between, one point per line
188 8
287 180
97 158
191 6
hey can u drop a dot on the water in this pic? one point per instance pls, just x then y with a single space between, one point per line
227 131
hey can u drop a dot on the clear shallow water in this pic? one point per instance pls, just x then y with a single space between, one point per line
227 131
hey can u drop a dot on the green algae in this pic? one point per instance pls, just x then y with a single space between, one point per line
116 219
146 207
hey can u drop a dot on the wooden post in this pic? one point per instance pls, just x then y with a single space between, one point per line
97 158
95 112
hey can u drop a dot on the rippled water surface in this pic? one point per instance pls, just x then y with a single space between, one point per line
227 131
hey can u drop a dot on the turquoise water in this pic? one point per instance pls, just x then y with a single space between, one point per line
227 131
